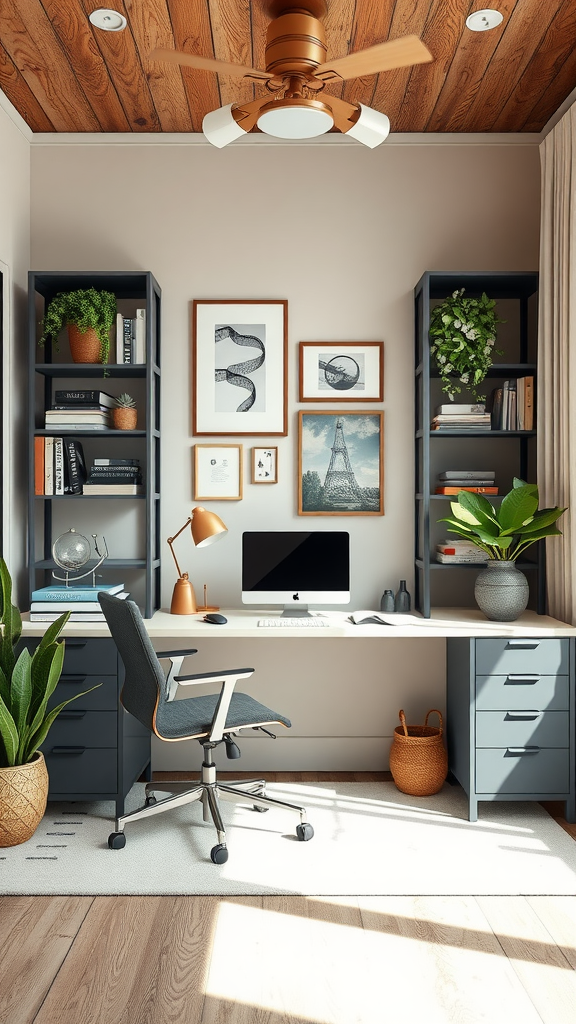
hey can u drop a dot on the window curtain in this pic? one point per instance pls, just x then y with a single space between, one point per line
556 400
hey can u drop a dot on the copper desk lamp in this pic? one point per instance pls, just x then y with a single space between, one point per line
205 527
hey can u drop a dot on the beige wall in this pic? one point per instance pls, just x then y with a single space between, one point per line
344 234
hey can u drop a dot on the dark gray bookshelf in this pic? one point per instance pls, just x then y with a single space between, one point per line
50 368
510 452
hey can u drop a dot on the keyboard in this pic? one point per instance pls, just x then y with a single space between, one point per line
295 623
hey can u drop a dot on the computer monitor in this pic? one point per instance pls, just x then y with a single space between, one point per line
296 568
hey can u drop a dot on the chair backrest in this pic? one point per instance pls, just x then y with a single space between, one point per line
144 683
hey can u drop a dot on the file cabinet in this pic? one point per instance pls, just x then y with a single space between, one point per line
510 726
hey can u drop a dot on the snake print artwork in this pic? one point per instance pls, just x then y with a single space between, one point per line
235 373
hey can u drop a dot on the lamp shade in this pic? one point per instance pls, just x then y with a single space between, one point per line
206 527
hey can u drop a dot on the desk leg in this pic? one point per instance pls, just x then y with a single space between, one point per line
571 809
472 808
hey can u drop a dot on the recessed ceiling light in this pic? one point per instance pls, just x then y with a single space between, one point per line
481 21
110 21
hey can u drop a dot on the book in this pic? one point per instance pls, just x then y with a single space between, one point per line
528 403
467 474
79 606
78 415
77 425
471 418
520 403
454 547
462 484
128 336
48 465
471 427
140 336
74 593
496 413
462 559
78 410
110 477
75 469
116 462
459 409
39 465
74 617
467 487
112 471
113 488
119 338
81 398
58 465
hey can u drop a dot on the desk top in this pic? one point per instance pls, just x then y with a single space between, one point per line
242 623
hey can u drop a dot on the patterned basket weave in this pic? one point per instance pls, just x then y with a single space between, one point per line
418 759
23 795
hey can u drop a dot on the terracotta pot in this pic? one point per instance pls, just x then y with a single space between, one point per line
124 419
84 346
23 795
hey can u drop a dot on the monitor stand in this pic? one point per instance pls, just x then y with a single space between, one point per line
296 611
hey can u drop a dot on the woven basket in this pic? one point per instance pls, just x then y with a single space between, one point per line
23 795
418 759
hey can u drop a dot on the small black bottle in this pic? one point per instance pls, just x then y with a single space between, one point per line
387 601
402 599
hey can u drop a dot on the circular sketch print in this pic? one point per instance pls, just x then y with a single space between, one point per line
341 373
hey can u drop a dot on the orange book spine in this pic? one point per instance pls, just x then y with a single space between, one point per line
475 490
529 403
38 465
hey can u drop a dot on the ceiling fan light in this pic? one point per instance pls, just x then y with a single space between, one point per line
295 119
371 128
220 128
108 20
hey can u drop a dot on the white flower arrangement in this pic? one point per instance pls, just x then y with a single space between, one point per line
463 336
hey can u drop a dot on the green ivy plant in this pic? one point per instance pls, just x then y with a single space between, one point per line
86 308
507 533
463 335
26 682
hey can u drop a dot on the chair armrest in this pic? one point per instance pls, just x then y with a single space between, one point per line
202 677
176 659
176 654
227 677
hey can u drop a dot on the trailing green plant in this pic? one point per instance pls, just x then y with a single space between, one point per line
125 401
26 682
507 533
463 336
86 308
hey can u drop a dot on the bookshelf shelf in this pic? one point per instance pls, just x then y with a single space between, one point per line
111 563
92 370
514 455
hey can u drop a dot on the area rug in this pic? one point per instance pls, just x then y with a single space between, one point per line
370 839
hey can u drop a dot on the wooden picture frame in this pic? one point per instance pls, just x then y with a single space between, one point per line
265 465
340 463
341 371
218 472
239 367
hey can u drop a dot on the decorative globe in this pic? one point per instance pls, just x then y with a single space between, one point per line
71 551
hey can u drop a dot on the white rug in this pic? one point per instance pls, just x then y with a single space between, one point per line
369 839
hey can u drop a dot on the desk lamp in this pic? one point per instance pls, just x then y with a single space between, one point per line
205 527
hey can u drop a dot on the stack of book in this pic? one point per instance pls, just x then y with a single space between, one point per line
114 476
481 481
457 416
80 410
512 405
58 466
459 552
131 338
48 603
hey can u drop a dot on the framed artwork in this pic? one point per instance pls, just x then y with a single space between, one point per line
239 353
340 463
264 465
217 472
341 371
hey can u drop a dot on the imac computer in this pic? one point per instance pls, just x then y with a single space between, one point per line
295 569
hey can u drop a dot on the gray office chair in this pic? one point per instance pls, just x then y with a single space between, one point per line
148 694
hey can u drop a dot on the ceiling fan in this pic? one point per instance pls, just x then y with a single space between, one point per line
296 73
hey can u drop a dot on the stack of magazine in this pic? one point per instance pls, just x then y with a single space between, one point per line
459 552
481 481
114 476
49 603
457 416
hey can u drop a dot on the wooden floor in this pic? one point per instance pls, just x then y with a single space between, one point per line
288 959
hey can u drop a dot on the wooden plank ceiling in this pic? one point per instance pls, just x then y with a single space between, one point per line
63 75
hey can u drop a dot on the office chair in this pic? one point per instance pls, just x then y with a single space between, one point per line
148 694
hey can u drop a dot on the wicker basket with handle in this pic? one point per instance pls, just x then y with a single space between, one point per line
418 758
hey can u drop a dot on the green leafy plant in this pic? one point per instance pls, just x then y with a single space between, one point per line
86 308
26 682
125 401
507 533
463 336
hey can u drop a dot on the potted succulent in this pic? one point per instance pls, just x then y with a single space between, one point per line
125 414
26 684
89 315
462 335
501 589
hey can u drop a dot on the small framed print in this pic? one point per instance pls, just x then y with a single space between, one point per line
264 465
341 371
217 472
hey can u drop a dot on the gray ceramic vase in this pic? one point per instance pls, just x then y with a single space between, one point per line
501 591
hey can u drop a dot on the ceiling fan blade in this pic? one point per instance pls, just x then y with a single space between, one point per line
343 112
395 53
222 67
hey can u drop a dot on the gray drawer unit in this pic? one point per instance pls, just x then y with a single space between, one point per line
511 719
94 749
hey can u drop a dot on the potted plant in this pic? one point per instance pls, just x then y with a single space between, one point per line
26 684
125 415
89 315
501 589
463 335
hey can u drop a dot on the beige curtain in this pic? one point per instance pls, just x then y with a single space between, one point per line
556 408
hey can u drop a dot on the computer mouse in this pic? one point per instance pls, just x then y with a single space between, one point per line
217 620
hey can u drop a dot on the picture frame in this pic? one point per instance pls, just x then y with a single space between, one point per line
340 463
239 367
265 465
341 371
218 472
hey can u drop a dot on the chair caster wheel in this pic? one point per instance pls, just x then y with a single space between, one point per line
116 840
150 800
304 832
260 809
219 854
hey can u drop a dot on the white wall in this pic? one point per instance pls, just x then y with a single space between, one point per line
344 234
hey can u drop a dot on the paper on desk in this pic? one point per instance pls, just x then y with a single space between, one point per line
367 617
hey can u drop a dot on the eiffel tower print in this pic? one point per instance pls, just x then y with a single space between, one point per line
341 463
341 490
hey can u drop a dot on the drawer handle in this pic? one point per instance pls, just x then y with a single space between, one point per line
520 751
68 750
75 643
73 679
520 680
76 715
523 645
525 716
